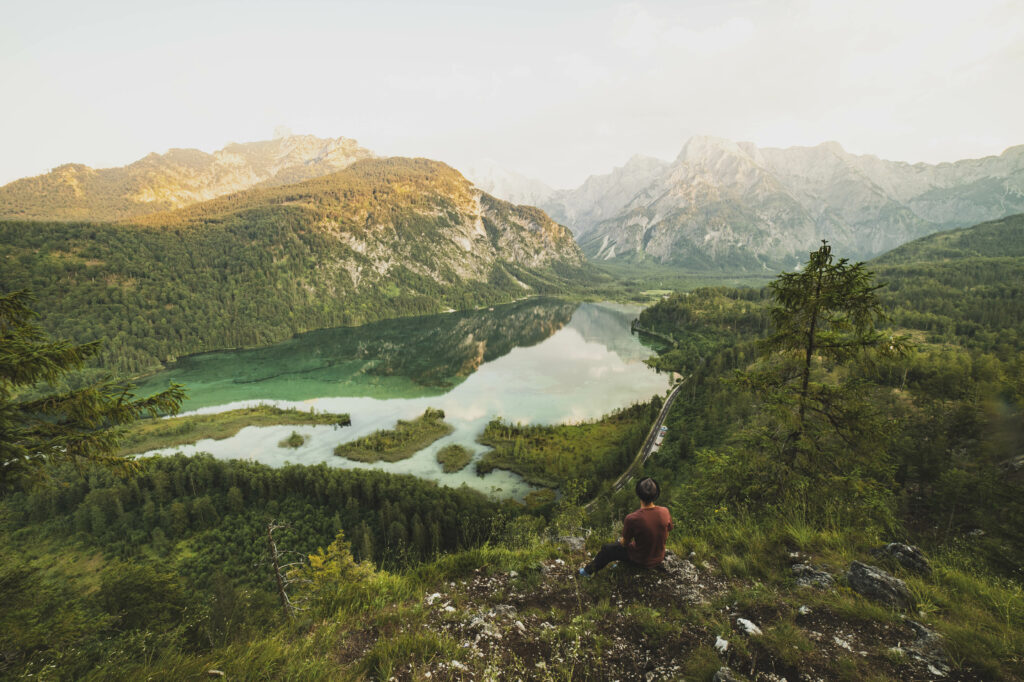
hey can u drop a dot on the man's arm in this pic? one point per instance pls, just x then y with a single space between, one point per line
627 533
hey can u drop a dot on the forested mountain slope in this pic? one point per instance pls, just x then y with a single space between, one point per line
383 238
962 286
180 177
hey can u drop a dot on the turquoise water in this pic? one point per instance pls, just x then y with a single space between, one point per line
536 361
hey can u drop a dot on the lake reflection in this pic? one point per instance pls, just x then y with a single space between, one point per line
536 361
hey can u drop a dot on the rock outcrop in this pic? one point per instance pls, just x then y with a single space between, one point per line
811 576
876 584
908 556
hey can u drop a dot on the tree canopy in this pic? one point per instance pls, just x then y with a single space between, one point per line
76 424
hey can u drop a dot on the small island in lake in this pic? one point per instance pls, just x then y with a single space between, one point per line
453 458
295 440
159 434
401 442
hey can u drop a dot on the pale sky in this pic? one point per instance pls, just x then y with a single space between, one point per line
552 90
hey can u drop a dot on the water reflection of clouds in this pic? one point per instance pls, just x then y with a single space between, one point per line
573 376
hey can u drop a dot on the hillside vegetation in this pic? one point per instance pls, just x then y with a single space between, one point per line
383 238
814 441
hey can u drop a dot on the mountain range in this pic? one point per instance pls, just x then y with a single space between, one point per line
720 205
727 205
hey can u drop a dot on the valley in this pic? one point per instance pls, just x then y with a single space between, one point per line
488 389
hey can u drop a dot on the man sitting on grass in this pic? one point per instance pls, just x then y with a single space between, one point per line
643 534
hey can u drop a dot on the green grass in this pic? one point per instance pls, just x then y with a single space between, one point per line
159 434
401 442
453 458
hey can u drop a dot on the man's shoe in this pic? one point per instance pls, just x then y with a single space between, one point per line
583 572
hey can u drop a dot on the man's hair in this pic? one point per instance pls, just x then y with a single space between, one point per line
648 490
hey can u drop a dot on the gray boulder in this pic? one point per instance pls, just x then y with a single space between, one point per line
573 542
908 556
874 583
926 650
811 576
725 674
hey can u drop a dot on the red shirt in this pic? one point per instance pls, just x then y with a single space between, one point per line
644 533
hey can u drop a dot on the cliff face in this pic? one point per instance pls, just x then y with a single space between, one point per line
160 182
723 204
397 212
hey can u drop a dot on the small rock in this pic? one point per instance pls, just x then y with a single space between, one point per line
513 574
430 598
725 674
810 576
214 673
748 626
842 643
506 610
874 583
520 627
908 556
573 542
804 611
458 665
722 645
449 609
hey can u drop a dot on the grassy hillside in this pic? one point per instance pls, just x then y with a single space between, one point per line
384 238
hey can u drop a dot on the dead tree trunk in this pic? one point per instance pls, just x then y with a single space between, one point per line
286 603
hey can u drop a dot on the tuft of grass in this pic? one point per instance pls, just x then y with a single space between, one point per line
702 664
416 648
788 643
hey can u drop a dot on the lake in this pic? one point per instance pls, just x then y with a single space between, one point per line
540 361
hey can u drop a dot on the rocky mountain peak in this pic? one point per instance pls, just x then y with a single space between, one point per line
174 179
702 148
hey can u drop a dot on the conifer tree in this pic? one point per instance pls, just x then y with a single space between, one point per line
824 316
77 425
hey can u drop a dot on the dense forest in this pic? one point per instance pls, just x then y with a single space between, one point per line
385 238
176 556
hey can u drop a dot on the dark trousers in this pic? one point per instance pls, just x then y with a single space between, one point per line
613 551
